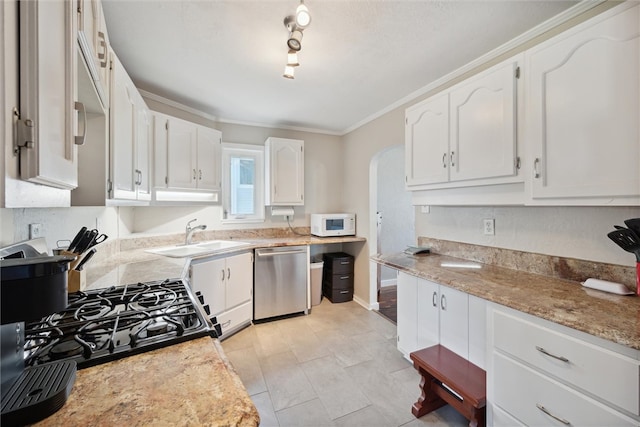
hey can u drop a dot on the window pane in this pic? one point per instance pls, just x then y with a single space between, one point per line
242 179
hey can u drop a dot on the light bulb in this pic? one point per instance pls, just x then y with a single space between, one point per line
288 72
292 58
303 17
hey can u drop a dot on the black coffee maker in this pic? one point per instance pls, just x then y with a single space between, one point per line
32 285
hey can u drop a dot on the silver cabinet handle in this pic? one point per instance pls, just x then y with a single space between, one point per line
222 271
263 254
434 299
102 56
444 160
443 302
228 273
453 162
536 173
80 139
555 417
543 351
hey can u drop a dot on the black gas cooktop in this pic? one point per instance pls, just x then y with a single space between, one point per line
107 324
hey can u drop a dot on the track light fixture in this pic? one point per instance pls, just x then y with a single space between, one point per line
295 24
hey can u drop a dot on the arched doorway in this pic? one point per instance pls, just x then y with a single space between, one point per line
392 222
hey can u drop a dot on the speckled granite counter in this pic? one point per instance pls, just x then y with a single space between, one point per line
612 317
190 383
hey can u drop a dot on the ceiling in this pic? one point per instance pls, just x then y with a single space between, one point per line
226 58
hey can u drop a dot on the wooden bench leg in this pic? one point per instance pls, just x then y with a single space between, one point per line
428 400
477 419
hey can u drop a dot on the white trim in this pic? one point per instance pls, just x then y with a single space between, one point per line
514 43
363 303
196 112
388 282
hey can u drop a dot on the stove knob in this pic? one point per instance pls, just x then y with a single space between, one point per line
207 309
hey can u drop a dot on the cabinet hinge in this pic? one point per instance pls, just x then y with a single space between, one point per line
166 180
26 134
302 197
406 121
109 187
517 162
166 125
517 72
111 65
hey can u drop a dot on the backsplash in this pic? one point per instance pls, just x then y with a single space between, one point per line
547 265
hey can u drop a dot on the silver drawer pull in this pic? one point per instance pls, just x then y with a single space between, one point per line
543 351
546 411
344 263
344 292
344 277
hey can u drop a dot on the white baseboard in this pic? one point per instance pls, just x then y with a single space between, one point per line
364 304
388 282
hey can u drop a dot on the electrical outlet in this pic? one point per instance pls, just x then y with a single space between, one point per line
425 209
489 227
35 231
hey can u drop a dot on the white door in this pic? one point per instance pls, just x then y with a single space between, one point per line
427 142
182 169
209 161
287 171
583 106
407 313
428 328
123 137
454 321
209 277
47 92
143 151
239 279
483 125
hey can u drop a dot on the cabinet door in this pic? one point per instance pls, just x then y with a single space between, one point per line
143 150
182 169
101 44
427 142
285 169
477 331
454 321
47 92
583 108
160 129
209 277
239 279
483 125
209 158
428 314
123 116
407 313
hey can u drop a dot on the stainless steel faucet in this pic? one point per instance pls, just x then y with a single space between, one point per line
190 230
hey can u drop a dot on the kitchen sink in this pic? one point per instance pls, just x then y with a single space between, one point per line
197 249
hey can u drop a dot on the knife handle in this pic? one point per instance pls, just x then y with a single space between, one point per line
638 278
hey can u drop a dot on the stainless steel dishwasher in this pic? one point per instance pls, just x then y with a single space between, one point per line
280 281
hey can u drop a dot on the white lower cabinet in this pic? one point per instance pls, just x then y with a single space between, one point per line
226 285
542 373
430 314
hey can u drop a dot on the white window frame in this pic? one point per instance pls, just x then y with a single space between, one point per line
257 153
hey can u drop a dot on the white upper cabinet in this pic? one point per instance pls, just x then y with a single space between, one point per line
466 135
130 138
46 130
483 125
187 161
427 142
583 112
284 172
94 45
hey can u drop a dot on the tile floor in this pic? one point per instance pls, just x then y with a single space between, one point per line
338 366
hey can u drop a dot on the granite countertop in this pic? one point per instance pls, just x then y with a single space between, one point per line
191 383
612 317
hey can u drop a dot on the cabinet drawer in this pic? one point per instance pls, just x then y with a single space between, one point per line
338 295
339 281
337 263
608 375
502 419
523 393
232 320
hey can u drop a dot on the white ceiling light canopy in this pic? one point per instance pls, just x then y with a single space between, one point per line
303 17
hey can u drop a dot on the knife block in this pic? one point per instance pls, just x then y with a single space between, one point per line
77 281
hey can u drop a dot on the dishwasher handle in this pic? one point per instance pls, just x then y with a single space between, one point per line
260 253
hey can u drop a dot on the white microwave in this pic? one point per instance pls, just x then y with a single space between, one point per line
339 224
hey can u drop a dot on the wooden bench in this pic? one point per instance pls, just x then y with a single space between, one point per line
448 378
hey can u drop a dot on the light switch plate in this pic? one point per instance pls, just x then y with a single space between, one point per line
35 231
